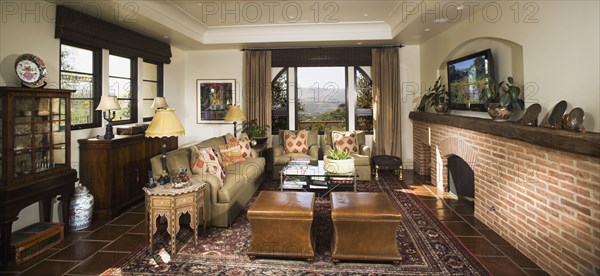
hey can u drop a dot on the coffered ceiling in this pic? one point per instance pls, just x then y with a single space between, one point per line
196 25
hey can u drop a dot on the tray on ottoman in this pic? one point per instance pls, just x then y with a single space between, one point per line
281 224
364 227
35 239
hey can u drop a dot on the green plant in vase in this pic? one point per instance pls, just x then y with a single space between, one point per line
255 131
338 154
502 98
438 96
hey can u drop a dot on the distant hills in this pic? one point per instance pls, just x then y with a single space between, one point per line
321 101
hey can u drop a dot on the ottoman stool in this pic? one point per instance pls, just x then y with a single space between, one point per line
364 227
281 225
387 162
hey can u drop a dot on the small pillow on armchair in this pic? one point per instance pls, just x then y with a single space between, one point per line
346 141
205 161
295 143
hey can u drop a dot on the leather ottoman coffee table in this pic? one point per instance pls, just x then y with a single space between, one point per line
281 225
364 227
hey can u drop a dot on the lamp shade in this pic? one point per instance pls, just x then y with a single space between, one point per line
165 124
108 102
159 102
234 114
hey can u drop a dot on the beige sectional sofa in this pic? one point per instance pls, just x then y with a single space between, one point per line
222 204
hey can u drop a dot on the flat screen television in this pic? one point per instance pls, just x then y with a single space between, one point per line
466 78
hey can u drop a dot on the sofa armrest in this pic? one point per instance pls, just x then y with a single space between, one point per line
278 151
213 183
313 151
364 150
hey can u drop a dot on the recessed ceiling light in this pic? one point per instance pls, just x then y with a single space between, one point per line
441 20
461 7
366 14
428 29
359 43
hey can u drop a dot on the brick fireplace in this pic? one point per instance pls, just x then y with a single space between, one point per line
538 188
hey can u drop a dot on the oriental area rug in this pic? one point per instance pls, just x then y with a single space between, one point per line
427 247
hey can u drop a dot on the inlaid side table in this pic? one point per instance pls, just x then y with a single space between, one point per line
171 203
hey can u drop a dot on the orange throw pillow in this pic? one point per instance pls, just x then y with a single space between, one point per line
346 141
295 143
231 153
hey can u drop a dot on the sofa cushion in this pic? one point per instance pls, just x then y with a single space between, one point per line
178 159
231 153
205 161
345 141
295 143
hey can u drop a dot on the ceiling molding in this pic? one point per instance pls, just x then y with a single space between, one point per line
172 17
298 32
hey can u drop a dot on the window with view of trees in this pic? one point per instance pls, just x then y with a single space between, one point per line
79 70
321 98
122 79
279 89
364 100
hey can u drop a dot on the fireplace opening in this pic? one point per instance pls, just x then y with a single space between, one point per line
461 180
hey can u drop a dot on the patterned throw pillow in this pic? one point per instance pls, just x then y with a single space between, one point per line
295 143
346 141
244 142
231 153
205 161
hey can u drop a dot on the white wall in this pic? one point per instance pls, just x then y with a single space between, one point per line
213 64
560 51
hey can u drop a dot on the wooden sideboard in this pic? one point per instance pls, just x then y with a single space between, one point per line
115 171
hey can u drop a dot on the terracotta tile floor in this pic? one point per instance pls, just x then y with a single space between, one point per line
93 250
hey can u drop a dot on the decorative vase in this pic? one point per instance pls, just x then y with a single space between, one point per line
499 113
260 140
441 108
338 166
82 206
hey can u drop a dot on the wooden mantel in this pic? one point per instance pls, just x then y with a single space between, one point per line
582 143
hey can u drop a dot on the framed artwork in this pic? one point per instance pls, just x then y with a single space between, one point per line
213 99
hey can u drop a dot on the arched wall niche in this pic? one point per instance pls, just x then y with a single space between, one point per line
508 62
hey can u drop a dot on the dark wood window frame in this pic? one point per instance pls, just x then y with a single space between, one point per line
97 85
281 110
134 90
159 83
362 112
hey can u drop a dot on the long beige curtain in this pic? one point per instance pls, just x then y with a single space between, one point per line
256 86
385 73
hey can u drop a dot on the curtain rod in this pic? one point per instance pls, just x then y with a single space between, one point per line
310 48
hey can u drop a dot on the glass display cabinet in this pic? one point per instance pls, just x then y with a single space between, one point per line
35 154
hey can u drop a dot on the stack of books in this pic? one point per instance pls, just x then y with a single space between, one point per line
294 182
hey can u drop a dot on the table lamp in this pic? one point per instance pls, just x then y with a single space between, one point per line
233 115
108 103
159 103
165 124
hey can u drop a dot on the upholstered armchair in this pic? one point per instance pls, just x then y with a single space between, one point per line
282 156
362 156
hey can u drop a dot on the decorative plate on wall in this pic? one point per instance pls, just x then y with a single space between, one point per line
31 70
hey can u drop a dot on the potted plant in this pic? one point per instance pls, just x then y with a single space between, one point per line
438 96
255 131
502 98
338 161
